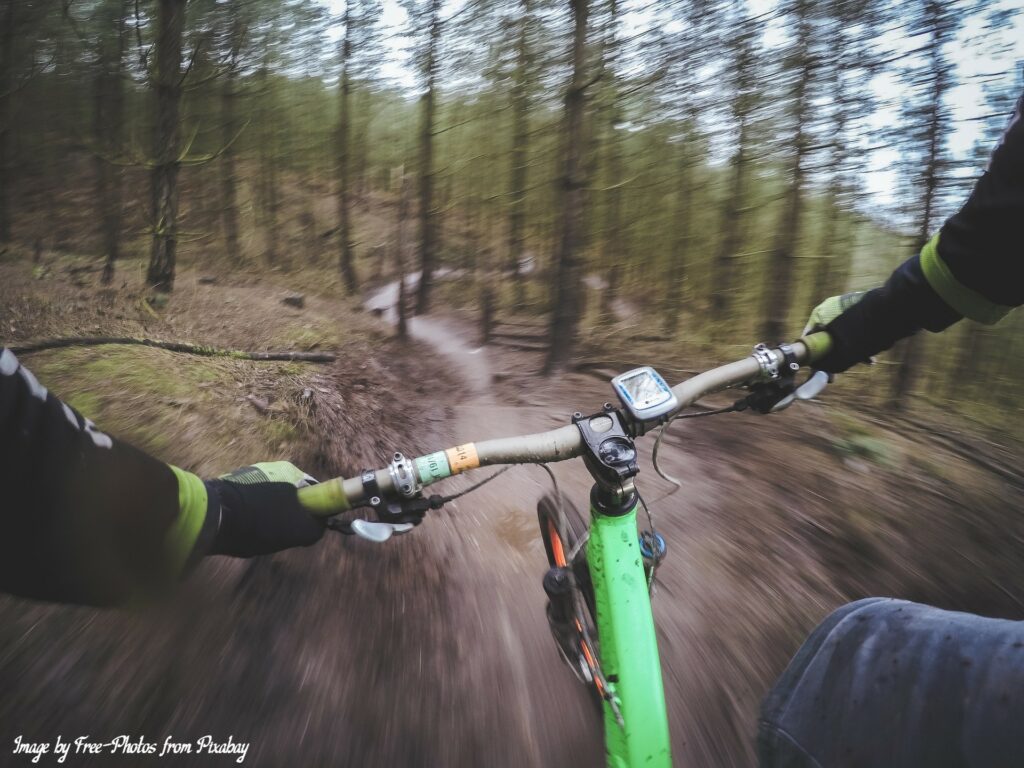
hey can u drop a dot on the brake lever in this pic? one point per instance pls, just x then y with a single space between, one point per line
394 516
378 532
809 390
371 531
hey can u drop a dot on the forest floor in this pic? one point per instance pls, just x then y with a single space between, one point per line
433 650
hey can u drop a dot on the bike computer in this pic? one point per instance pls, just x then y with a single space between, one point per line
644 393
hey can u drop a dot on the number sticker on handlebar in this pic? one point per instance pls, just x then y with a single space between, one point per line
462 457
433 467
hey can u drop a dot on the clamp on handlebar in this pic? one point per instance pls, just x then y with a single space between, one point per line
394 515
780 389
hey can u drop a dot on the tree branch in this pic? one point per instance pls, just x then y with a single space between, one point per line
174 346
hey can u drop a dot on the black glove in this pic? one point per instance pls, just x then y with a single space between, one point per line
258 516
879 318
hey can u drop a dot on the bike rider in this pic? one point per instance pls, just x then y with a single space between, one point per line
886 682
86 518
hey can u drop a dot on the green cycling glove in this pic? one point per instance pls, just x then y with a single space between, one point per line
830 309
823 351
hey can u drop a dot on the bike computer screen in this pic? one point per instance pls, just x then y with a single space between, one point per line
644 393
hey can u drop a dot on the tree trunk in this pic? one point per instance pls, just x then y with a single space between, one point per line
679 267
109 121
403 300
834 255
268 171
428 216
229 119
520 151
910 355
345 254
725 266
568 305
167 84
7 87
780 275
614 250
834 252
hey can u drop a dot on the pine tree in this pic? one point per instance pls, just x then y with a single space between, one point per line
568 304
167 85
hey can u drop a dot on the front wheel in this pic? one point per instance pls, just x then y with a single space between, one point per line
570 609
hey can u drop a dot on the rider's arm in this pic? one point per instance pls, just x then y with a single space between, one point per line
87 518
974 267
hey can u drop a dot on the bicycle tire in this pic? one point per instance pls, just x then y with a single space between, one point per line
557 552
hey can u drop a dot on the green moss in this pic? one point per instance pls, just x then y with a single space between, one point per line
86 403
279 431
873 449
320 335
130 391
182 408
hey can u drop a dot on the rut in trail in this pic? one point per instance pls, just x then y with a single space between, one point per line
468 673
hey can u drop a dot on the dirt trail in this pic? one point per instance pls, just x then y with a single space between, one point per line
433 649
542 714
536 712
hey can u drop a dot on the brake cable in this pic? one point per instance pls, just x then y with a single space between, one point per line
485 481
676 484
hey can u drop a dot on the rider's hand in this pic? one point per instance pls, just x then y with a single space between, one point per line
260 511
830 309
835 360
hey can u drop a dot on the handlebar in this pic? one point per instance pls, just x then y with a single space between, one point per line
404 477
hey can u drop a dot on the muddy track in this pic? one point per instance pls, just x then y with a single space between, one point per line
433 649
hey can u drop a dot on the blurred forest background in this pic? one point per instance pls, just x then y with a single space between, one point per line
711 168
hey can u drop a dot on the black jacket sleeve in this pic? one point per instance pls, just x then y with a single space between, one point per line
83 517
973 268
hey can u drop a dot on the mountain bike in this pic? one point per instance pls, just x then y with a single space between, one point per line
600 576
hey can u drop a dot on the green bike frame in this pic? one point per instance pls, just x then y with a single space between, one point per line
629 647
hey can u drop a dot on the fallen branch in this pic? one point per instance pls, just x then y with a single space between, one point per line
174 346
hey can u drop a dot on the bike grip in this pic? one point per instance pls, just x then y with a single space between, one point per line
818 345
324 499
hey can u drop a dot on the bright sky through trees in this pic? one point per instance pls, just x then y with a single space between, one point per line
976 58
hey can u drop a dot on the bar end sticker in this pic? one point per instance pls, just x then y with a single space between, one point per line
462 457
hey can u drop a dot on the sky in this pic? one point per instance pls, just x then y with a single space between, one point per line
966 101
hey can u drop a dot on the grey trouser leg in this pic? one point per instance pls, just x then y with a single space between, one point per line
886 682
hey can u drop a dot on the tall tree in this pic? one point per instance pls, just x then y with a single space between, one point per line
167 84
568 303
109 127
346 258
614 242
849 63
9 22
682 240
744 94
520 145
428 107
928 121
234 38
802 65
